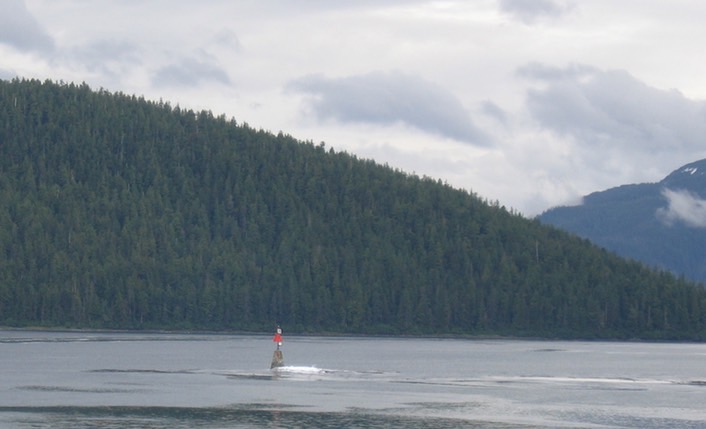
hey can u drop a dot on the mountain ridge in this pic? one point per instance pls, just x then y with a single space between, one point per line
661 223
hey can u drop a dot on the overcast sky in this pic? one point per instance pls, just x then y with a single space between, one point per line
532 103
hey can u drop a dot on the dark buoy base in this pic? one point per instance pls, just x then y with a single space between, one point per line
277 359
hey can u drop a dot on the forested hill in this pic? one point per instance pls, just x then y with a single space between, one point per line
116 212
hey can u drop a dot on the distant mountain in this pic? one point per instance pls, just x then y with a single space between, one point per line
661 224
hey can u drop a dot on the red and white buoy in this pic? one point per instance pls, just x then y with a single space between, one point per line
277 357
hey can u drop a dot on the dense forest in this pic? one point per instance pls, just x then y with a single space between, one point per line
118 212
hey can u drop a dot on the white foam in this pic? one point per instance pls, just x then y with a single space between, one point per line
300 370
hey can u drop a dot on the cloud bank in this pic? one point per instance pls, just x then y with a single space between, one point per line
388 98
613 108
683 206
529 11
20 30
190 73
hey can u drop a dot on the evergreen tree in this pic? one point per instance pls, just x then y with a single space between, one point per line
118 212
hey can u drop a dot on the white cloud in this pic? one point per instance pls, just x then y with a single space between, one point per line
494 111
19 28
388 98
683 206
529 11
543 72
108 58
190 72
620 126
613 107
6 74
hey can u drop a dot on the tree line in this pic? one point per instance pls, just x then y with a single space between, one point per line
119 212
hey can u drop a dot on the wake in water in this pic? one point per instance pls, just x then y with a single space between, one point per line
308 373
301 370
314 373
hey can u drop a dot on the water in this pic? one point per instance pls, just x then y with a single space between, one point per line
136 380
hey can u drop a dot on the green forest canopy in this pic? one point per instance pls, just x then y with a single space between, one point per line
117 212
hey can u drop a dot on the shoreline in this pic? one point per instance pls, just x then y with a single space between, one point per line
466 337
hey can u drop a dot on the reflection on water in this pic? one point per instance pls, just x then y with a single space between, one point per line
242 416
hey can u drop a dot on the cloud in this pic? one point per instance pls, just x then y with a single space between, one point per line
6 74
389 98
529 11
613 109
683 206
189 73
540 71
228 39
108 57
494 111
19 29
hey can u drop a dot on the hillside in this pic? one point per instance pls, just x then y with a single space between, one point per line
117 212
661 224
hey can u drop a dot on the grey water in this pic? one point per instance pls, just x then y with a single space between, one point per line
146 380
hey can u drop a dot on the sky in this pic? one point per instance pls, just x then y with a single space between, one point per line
527 103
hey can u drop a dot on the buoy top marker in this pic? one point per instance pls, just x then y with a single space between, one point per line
277 357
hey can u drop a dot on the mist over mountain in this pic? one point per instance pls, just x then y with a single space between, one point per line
662 224
122 213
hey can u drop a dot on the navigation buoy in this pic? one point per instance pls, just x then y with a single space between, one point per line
277 357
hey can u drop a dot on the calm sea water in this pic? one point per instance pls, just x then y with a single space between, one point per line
138 380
